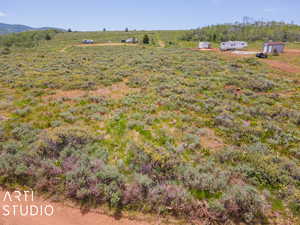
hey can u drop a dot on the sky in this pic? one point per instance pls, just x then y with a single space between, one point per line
91 15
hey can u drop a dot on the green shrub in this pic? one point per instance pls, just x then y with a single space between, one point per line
146 39
244 202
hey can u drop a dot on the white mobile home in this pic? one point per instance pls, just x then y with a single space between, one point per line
232 45
204 45
132 40
273 47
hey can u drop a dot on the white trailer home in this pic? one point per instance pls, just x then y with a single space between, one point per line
273 47
130 40
232 45
204 45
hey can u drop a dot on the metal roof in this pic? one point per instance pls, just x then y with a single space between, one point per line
274 43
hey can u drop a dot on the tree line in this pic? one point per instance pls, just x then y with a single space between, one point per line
256 31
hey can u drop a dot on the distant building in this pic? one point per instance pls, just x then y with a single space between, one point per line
204 45
88 42
130 40
273 47
233 45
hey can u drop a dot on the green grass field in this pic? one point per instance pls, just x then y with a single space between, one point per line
162 130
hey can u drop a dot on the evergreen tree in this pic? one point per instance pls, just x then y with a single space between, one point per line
48 37
146 39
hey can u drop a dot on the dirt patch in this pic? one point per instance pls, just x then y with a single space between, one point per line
283 66
2 118
105 44
205 49
161 43
67 94
282 94
115 91
288 94
292 51
210 140
63 215
64 49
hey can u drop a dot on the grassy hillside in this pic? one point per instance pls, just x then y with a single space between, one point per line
164 130
26 39
259 31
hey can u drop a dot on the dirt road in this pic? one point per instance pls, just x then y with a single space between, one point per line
105 44
63 215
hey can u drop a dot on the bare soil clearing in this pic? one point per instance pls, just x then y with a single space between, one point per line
105 44
292 51
3 117
161 43
205 49
115 91
63 215
282 66
209 140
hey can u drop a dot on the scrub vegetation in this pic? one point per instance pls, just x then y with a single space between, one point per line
161 130
256 31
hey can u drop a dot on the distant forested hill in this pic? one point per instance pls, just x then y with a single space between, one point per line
15 28
276 31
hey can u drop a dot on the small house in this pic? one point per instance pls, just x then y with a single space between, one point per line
273 47
233 45
204 45
88 42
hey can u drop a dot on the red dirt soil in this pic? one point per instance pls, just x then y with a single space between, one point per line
63 215
283 66
115 91
292 51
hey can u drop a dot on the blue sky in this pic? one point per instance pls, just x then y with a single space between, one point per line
152 14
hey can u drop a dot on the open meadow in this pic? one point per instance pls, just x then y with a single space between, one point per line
199 135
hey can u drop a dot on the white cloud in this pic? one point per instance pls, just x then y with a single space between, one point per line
2 14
